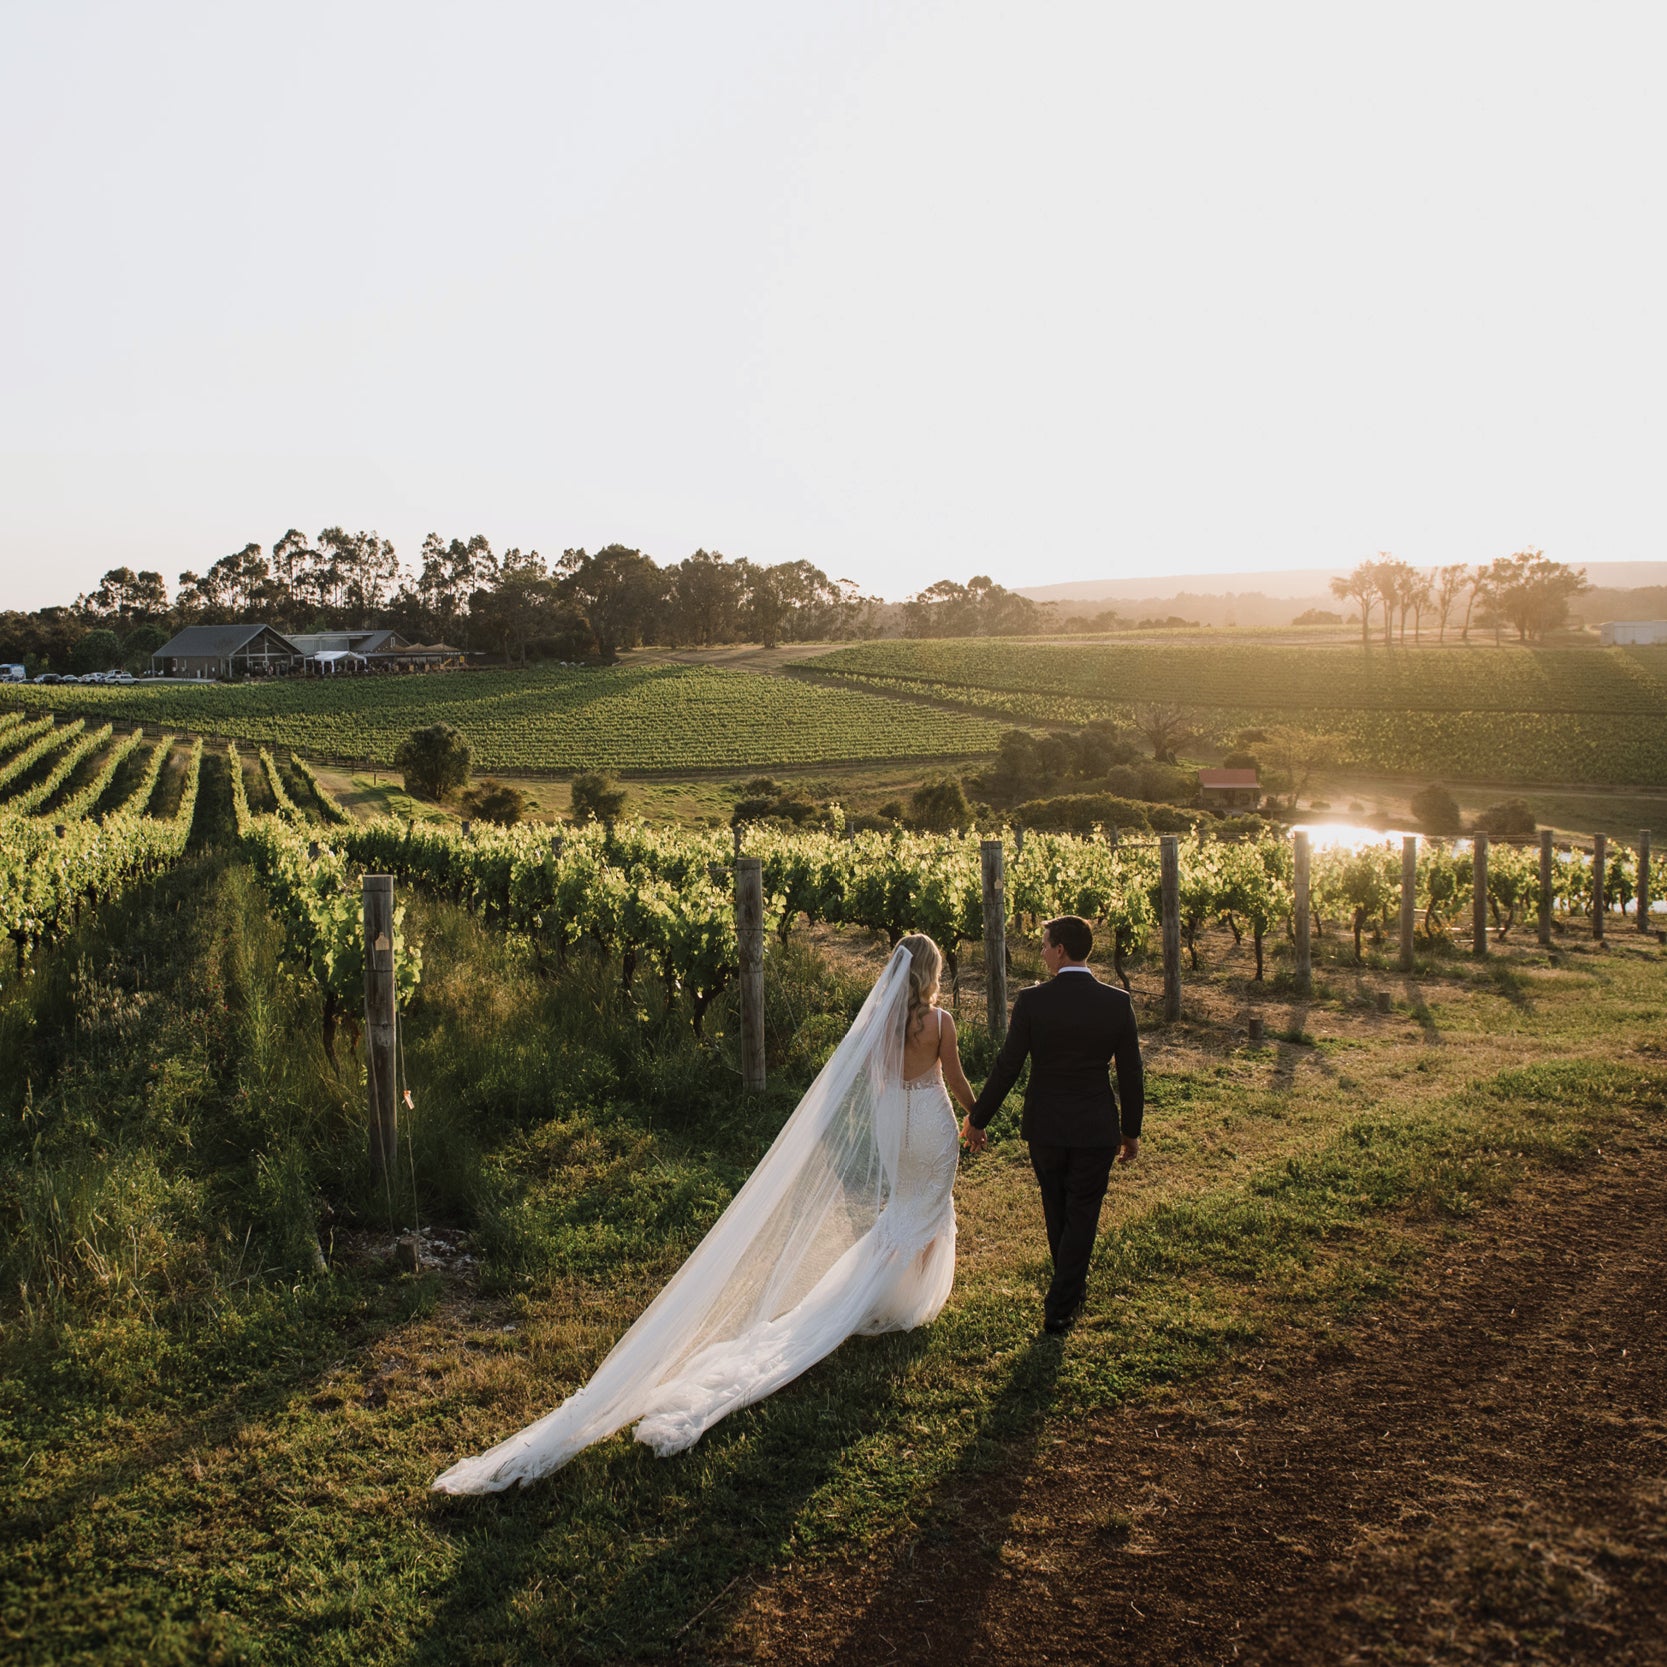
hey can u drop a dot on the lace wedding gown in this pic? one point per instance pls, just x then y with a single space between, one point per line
846 1228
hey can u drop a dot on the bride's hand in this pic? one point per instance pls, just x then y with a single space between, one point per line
976 1139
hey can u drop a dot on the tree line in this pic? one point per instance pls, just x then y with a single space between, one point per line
1526 592
585 605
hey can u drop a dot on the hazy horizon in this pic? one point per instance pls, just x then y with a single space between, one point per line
907 290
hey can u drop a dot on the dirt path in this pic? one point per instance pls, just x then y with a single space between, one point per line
1475 1473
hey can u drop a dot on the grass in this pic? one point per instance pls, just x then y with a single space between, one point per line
212 1451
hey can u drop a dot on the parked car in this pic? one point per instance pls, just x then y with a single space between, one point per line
49 677
123 677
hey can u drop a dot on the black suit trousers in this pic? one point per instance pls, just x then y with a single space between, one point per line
1073 1180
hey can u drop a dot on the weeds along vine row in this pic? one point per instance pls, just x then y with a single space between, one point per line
50 871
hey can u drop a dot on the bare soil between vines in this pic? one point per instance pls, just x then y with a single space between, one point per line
1475 1473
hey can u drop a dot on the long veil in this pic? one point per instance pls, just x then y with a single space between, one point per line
703 1346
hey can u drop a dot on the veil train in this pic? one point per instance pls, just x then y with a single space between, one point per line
844 1227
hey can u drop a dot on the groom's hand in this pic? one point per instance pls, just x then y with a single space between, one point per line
976 1139
1130 1150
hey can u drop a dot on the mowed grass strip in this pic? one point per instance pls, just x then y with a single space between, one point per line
252 1479
616 718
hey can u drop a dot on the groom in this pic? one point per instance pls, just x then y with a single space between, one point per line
1071 1027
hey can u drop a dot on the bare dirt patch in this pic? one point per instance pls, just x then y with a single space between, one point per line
1477 1472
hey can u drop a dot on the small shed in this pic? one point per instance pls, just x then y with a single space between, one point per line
1618 633
1229 789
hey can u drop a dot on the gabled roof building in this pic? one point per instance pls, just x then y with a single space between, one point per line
227 651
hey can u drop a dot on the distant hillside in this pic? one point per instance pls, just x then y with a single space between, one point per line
1308 587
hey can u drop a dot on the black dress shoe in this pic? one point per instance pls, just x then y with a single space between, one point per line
1058 1328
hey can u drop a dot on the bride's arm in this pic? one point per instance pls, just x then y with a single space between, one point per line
955 1079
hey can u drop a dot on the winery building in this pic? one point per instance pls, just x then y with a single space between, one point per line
227 651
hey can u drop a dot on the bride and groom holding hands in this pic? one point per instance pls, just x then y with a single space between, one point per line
847 1225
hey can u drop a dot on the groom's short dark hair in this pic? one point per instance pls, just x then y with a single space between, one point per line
1071 933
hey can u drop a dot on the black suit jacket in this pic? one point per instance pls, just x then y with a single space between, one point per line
1072 1028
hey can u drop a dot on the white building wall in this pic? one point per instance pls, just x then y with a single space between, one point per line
1621 632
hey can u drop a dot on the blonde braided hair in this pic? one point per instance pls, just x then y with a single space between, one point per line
925 971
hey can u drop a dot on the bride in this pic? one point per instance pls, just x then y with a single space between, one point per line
846 1227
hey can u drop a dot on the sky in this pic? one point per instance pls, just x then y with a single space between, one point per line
1043 291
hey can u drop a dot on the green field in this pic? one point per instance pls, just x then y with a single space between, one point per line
621 718
1508 715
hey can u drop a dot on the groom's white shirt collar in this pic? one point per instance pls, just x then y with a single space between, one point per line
1077 966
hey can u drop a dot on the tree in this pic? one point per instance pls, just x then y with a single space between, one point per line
1436 810
940 806
1293 756
596 797
140 643
523 606
1449 581
1166 726
1357 587
1532 593
620 592
1420 594
1481 586
451 573
435 761
980 607
706 592
124 598
1389 578
97 651
362 569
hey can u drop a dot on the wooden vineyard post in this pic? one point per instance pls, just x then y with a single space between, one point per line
1479 896
1546 859
1409 897
749 937
1600 893
995 938
381 1036
1169 849
1302 867
1643 886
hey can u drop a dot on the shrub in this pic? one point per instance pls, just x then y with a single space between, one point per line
1435 810
1082 812
497 801
1509 816
596 797
763 799
940 806
435 761
1240 761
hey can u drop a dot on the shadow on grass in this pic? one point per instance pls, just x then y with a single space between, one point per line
619 1554
1006 1436
300 1344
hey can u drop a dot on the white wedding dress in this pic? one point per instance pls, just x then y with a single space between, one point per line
846 1227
